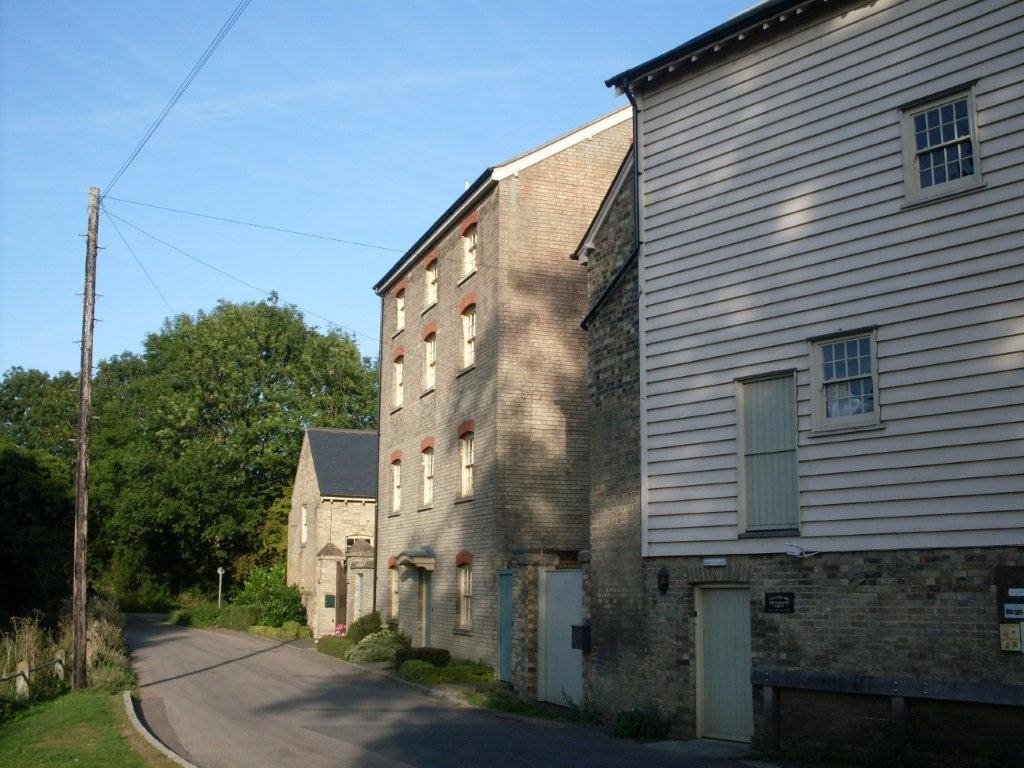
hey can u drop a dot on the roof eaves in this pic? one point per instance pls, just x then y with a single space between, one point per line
692 50
625 170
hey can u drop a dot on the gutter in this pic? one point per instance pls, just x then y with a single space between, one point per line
376 502
635 252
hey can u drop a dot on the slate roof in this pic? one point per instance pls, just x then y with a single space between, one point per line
345 461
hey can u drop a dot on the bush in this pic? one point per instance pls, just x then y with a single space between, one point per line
459 671
380 646
276 601
335 646
368 624
290 630
181 617
640 724
239 617
204 615
439 657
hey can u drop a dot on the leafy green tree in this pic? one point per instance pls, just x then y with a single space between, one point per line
36 512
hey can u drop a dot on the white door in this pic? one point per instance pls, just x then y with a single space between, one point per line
560 667
725 694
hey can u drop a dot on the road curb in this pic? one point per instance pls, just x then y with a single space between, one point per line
159 746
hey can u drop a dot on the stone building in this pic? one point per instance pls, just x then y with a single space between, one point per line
483 445
330 527
807 428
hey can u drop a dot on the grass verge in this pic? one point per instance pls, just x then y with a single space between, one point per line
88 729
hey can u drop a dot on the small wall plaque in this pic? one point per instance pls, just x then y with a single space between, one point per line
329 601
779 602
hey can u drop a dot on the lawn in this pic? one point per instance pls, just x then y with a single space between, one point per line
88 729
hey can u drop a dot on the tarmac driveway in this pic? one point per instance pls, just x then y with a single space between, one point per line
221 699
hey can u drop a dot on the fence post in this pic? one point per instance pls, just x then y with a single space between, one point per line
771 717
21 681
58 664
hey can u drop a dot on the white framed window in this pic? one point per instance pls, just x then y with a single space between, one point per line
469 336
393 583
467 461
430 361
399 381
766 444
465 620
844 382
427 463
304 531
399 310
431 278
396 486
469 251
940 146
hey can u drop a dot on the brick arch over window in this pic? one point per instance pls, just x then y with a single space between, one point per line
398 353
396 456
427 330
464 558
426 444
467 426
430 259
393 561
471 220
467 301
399 287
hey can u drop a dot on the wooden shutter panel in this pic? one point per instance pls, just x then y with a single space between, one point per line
769 453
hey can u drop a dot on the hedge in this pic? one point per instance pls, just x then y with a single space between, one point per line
439 657
459 671
365 625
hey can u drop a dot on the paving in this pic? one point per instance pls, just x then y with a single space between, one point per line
227 699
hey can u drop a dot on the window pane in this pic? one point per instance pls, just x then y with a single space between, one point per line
961 108
865 347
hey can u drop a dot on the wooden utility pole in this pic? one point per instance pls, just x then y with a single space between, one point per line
78 598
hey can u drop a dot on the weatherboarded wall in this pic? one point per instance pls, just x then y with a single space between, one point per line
774 211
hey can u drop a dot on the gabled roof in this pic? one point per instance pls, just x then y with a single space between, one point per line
486 181
622 176
345 461
766 16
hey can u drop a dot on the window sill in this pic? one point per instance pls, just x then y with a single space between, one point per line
428 392
770 533
918 200
428 309
464 278
394 514
463 499
396 410
398 333
817 434
425 509
465 370
462 631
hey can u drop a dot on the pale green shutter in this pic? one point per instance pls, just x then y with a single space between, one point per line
769 453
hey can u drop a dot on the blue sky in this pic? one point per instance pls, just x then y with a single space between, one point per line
360 120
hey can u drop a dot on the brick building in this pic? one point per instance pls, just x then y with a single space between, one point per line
330 526
483 443
781 550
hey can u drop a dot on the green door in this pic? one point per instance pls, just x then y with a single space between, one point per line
726 695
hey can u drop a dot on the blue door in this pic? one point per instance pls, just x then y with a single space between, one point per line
505 626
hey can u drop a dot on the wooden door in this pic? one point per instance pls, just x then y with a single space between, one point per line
505 626
725 694
560 667
341 590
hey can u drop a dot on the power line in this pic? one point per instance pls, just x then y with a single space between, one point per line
237 279
258 226
221 34
139 262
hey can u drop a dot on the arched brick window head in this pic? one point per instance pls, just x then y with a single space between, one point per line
469 425
393 561
464 558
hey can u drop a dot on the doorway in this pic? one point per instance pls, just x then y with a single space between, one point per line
341 590
425 607
560 666
724 692
505 626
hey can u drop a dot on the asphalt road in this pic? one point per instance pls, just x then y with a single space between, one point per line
223 700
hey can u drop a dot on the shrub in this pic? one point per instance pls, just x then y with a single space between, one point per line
640 724
335 646
439 657
459 671
380 646
204 615
290 630
181 617
276 601
239 617
365 625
